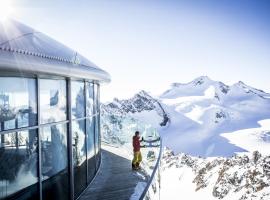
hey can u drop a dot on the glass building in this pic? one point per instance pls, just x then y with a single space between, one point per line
49 116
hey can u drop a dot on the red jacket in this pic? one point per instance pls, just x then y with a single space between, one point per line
136 143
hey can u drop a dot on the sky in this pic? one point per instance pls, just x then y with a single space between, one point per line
150 44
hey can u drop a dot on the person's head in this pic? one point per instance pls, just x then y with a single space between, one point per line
137 133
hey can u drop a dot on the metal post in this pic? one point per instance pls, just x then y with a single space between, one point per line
16 135
70 157
85 128
99 131
94 121
2 135
39 139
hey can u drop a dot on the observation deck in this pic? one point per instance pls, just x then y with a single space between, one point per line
116 180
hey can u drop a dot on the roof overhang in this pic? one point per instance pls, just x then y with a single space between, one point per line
20 63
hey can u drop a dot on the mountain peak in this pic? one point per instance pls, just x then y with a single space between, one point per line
206 78
197 81
201 80
143 93
249 89
241 83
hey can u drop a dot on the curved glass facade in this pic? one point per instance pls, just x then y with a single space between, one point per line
49 137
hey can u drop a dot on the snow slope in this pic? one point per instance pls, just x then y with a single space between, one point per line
214 108
253 139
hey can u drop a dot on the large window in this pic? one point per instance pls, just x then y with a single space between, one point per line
35 143
18 107
78 135
18 162
53 100
90 131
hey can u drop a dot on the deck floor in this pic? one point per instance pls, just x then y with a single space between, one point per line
115 179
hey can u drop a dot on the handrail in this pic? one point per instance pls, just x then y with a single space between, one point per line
153 173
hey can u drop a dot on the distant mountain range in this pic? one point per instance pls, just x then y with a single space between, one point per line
203 117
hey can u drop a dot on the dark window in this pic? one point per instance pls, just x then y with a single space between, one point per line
54 162
18 163
79 156
18 107
77 99
52 100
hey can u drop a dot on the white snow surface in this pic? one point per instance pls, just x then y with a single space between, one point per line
200 111
252 139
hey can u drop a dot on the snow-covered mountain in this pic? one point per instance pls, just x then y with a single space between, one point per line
240 177
142 104
199 117
215 108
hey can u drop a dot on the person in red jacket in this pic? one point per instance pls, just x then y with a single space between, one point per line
136 150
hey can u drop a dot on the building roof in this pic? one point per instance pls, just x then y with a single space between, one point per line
23 49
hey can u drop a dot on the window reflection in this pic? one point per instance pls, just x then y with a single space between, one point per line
97 128
79 156
17 103
52 100
90 131
78 134
18 161
96 98
18 150
54 149
89 99
77 99
97 134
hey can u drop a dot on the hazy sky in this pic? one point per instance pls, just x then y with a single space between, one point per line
151 44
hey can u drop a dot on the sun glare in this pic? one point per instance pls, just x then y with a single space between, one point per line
6 9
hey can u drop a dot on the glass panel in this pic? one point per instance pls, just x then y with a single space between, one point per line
97 140
54 162
96 98
54 149
18 163
79 156
77 99
97 122
18 107
89 99
53 103
90 131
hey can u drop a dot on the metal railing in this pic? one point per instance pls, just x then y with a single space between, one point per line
153 192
